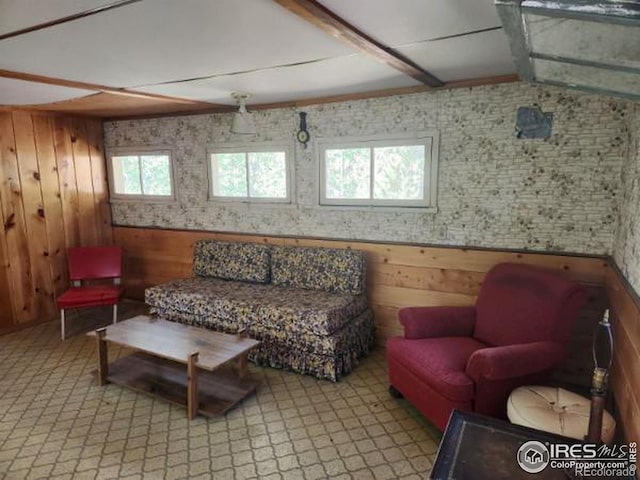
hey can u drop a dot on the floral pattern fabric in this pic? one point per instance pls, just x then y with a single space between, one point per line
313 318
231 304
247 262
327 357
329 269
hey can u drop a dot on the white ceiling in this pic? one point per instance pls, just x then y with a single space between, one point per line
249 45
472 56
19 14
398 22
161 40
341 75
17 92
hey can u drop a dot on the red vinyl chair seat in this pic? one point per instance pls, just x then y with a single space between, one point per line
90 296
89 264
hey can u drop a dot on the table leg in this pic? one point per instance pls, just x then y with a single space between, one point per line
192 386
243 371
103 358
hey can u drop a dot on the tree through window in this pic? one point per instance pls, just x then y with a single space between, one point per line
379 172
141 173
251 173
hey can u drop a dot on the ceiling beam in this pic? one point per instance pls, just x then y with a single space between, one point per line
68 18
347 97
29 77
323 18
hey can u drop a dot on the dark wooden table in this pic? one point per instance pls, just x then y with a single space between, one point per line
475 447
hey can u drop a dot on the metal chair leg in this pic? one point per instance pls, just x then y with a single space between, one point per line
62 324
115 313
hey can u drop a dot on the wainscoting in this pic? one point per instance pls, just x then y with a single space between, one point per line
398 275
402 275
53 194
625 381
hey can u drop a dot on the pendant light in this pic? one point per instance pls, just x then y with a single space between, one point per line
243 123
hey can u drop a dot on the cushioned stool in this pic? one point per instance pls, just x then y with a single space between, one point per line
555 410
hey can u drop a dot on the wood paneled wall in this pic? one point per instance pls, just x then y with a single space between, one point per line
398 275
53 195
625 378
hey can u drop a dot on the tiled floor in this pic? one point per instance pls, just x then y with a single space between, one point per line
56 423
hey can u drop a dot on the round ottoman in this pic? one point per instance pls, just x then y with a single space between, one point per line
555 410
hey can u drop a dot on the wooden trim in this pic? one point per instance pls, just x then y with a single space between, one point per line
347 97
467 83
327 21
521 251
68 18
30 77
623 280
21 326
36 110
625 318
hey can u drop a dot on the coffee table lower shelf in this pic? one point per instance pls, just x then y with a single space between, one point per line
218 391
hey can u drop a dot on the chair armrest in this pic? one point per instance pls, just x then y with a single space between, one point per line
428 322
510 361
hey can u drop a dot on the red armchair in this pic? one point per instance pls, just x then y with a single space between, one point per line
471 358
92 263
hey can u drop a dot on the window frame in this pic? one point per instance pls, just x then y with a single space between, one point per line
255 147
429 139
139 151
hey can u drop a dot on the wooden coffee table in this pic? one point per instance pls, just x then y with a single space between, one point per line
163 349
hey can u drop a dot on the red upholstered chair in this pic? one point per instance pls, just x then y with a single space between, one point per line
92 263
471 358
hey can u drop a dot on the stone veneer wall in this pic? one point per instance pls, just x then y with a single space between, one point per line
626 250
494 190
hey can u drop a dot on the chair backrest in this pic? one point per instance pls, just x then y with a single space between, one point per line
522 304
87 263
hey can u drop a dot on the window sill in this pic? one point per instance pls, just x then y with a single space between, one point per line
161 201
377 208
258 203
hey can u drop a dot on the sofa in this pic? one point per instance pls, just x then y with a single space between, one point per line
307 306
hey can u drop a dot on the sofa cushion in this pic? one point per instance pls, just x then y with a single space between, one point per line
230 305
438 362
248 262
329 269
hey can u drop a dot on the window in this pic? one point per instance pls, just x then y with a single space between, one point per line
250 173
141 173
392 172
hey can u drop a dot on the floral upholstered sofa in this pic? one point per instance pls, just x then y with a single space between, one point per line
307 306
